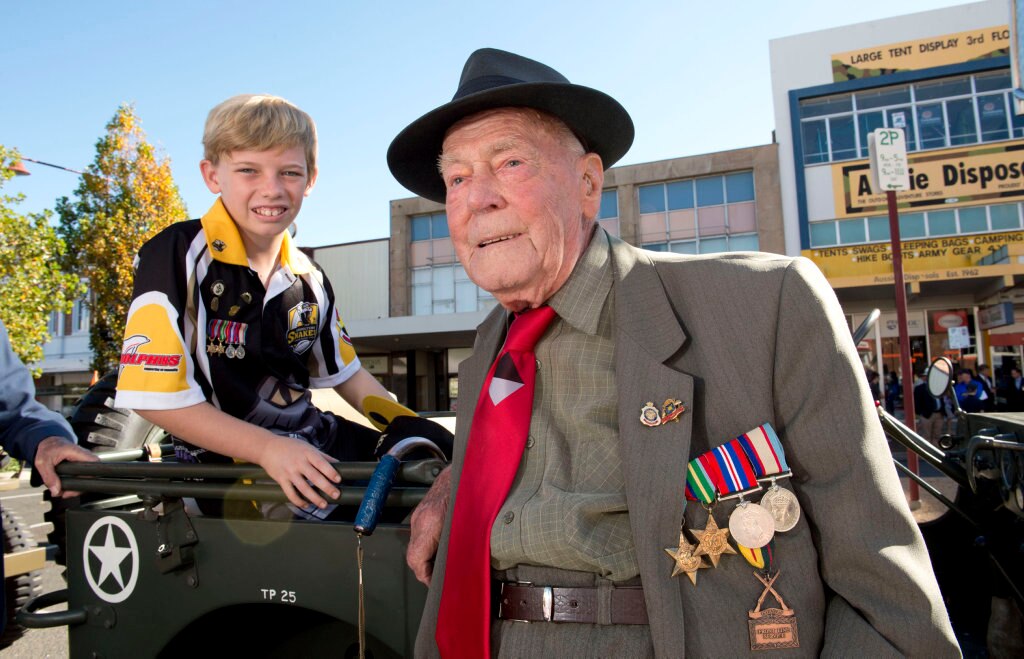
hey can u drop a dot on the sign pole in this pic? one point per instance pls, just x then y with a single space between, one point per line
901 318
887 148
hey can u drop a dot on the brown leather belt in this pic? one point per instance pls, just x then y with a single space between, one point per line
531 603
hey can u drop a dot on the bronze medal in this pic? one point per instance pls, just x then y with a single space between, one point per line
214 304
233 310
685 561
713 541
772 629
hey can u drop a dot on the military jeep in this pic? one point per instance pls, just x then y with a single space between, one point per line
147 577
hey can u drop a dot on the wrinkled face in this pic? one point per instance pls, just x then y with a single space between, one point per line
521 203
262 190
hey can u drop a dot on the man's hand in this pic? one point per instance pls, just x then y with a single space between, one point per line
297 467
427 522
51 452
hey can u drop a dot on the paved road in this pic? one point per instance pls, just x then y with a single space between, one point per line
36 643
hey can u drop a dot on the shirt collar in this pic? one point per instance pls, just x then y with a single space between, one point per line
225 243
580 300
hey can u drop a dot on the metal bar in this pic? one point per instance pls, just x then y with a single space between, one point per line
920 446
127 455
931 489
418 471
350 496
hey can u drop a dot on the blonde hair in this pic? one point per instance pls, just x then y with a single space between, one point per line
258 122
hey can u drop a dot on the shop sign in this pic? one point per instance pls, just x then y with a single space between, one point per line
959 338
931 259
945 320
890 324
998 315
917 54
964 176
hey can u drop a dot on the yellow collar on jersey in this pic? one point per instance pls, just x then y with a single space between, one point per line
225 243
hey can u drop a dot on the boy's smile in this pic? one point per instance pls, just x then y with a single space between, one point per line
262 191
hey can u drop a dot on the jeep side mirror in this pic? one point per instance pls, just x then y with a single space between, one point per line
939 376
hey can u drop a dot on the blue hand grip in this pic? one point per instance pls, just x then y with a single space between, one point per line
376 494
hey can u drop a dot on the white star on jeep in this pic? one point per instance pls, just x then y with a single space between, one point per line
111 556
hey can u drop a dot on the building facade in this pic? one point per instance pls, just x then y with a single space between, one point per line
944 78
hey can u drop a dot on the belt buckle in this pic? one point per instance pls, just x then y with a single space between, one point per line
547 601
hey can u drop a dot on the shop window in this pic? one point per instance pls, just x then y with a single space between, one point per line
903 118
709 191
1004 217
817 107
866 123
944 88
739 187
748 243
688 247
877 98
815 142
986 82
931 126
961 121
912 226
609 205
992 114
842 139
421 227
680 195
823 234
446 289
973 220
713 246
852 232
941 223
652 199
656 247
878 229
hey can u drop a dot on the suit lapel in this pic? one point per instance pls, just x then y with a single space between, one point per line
654 459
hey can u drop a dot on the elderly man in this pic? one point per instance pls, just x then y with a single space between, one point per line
569 482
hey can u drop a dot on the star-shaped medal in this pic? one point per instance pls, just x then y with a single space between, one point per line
685 560
713 541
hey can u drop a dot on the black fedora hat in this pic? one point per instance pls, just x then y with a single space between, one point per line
494 79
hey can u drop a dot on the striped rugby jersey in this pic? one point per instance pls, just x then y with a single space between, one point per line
201 327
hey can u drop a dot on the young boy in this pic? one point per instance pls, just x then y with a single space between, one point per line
230 324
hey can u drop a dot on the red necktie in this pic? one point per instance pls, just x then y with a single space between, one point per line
501 423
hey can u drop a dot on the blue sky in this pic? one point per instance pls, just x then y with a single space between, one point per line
694 76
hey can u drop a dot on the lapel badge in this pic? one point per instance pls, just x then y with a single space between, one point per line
649 415
219 245
217 288
671 410
652 417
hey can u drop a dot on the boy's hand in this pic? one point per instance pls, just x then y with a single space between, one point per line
297 467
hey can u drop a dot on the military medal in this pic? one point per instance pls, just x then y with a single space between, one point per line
764 450
772 629
233 310
685 560
229 352
713 541
649 415
217 288
214 304
246 297
751 525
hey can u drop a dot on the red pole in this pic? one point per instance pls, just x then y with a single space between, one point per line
901 319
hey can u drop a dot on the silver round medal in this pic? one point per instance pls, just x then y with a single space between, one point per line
752 526
240 352
230 352
783 506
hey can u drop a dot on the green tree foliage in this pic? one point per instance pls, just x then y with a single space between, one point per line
126 196
32 284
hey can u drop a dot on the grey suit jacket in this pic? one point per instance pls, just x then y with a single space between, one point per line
744 339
